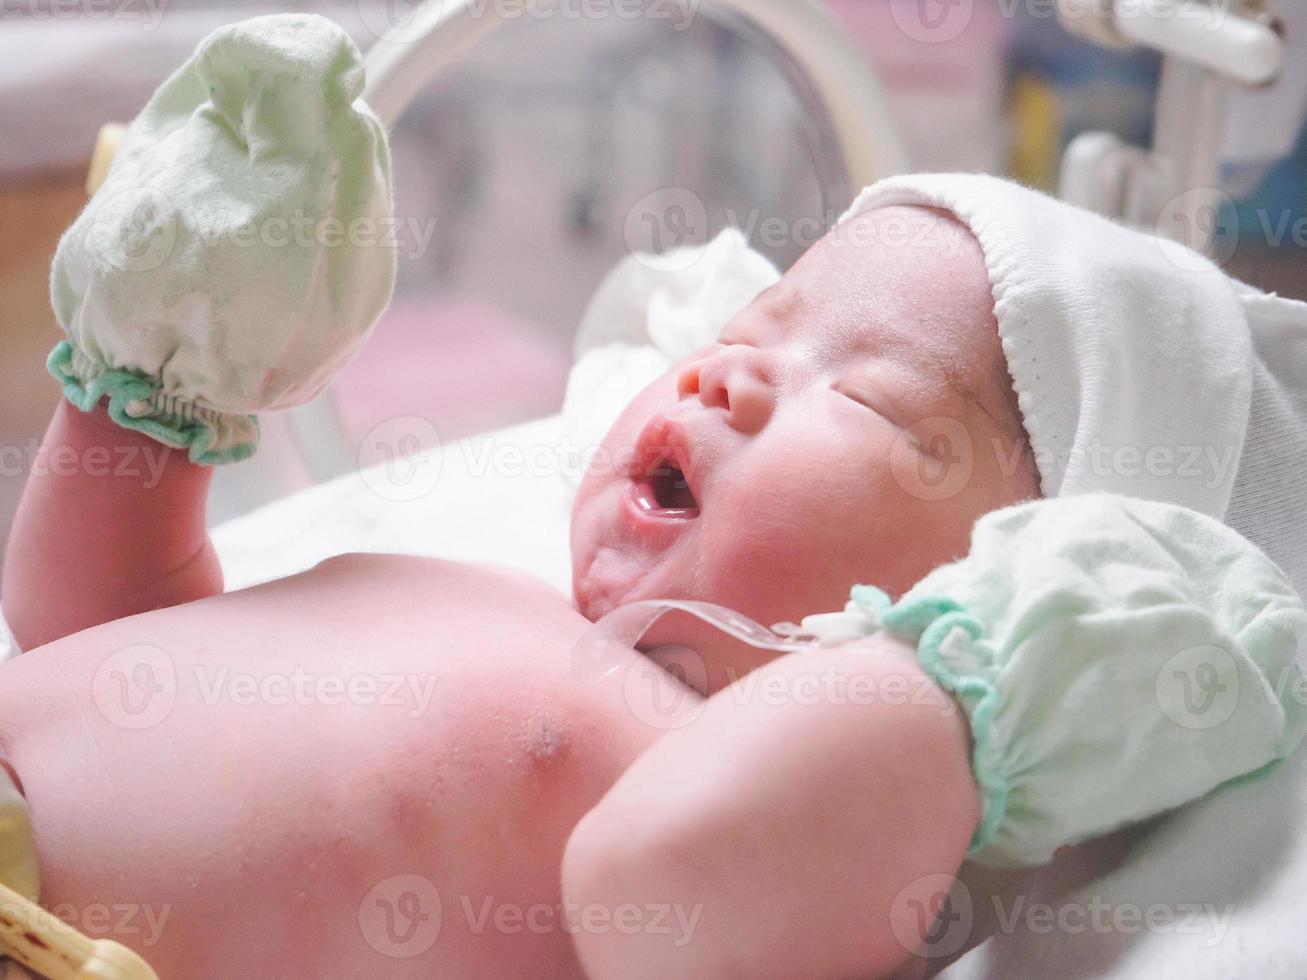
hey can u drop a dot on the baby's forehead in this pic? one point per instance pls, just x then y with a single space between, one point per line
905 280
907 286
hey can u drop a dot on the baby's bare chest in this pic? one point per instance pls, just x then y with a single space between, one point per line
305 742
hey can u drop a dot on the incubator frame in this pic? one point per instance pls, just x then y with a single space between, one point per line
1173 188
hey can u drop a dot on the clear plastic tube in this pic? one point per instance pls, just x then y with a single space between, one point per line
628 624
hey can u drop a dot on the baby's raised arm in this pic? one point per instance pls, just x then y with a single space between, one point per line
188 307
111 524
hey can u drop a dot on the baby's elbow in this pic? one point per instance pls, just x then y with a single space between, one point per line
28 625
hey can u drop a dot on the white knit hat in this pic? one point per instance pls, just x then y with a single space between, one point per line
1140 367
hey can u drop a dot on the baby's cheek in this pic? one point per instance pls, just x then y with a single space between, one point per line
800 548
762 567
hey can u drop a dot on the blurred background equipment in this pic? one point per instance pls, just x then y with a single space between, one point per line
527 166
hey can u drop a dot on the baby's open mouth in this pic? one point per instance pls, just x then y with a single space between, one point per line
662 472
665 492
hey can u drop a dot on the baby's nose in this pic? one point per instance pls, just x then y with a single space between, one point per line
737 380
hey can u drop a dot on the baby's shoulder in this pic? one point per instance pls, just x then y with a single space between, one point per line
479 581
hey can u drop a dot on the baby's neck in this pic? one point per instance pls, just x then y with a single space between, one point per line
698 655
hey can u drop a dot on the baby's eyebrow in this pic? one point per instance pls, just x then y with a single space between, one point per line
780 303
1009 419
758 325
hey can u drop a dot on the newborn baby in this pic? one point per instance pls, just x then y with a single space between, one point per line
264 829
526 803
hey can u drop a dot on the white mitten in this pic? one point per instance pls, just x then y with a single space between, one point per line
240 248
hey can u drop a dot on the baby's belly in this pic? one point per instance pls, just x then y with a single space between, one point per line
367 769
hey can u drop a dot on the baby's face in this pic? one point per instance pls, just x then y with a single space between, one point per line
848 427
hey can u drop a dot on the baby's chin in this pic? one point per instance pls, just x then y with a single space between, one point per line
608 574
601 581
620 555
607 569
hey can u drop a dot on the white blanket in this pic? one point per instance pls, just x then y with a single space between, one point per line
501 497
